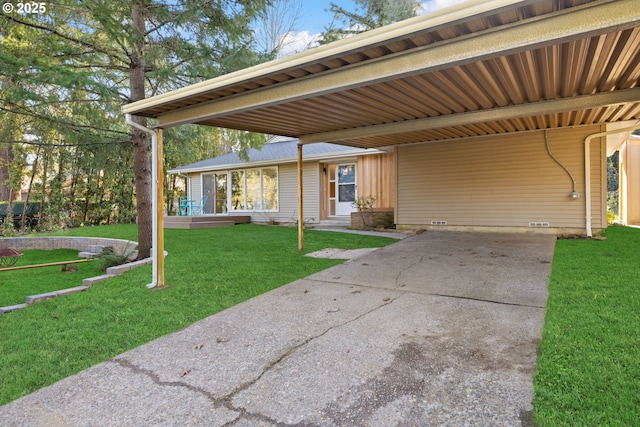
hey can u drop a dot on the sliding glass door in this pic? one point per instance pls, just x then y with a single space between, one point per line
214 188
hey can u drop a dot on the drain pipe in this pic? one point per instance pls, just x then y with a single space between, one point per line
587 169
154 192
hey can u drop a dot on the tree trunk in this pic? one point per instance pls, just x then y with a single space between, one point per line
6 152
23 222
141 144
6 158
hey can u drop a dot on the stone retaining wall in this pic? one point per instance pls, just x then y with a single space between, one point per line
368 219
82 244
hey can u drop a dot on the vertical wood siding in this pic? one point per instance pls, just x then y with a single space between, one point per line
376 178
502 181
630 182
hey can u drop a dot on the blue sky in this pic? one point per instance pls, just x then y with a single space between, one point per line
316 17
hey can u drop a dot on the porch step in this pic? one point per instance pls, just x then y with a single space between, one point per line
191 222
333 223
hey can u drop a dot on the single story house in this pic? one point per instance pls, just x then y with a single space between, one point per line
629 183
265 186
498 112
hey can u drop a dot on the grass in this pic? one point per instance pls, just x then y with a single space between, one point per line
206 272
18 284
589 365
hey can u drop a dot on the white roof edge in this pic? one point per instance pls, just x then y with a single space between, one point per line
275 162
449 15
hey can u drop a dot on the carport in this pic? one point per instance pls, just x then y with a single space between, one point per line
481 68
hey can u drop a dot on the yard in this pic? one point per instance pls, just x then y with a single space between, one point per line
206 272
588 367
589 364
18 284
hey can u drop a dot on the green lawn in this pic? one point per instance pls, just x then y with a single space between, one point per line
206 272
589 365
16 285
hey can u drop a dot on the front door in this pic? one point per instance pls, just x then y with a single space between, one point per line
346 188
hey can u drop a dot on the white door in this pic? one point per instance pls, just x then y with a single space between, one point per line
346 188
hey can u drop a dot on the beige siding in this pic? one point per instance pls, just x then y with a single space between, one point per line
288 193
502 181
194 187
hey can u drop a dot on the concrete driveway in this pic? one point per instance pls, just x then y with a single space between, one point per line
437 329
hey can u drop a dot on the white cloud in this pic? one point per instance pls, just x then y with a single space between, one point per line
433 5
294 42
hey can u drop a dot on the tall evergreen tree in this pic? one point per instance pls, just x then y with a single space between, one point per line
368 14
77 62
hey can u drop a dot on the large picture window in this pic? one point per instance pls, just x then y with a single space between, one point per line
237 191
254 189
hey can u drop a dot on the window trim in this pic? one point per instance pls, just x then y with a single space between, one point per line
244 174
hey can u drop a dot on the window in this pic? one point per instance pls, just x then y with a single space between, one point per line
237 191
254 189
270 189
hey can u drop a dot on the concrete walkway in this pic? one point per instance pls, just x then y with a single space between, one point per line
437 329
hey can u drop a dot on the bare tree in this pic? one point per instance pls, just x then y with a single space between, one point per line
278 20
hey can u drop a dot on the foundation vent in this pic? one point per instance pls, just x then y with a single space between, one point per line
538 224
438 222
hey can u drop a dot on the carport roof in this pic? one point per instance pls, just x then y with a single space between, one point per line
479 68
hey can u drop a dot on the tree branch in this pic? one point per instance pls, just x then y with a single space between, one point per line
64 36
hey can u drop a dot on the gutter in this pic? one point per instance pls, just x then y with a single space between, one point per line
154 192
587 170
439 19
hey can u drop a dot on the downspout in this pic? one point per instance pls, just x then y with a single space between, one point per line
154 192
587 169
300 201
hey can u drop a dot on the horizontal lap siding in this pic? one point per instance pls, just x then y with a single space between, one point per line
194 189
288 192
504 181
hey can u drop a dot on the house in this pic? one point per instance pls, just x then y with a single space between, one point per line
498 112
629 184
265 186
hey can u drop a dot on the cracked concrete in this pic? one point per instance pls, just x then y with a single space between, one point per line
439 329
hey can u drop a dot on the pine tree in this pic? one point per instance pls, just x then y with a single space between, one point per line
73 66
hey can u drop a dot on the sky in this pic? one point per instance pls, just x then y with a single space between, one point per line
316 17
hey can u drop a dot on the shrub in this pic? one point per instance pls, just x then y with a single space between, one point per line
110 258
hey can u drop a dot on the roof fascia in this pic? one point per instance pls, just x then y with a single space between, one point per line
559 27
309 158
445 17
